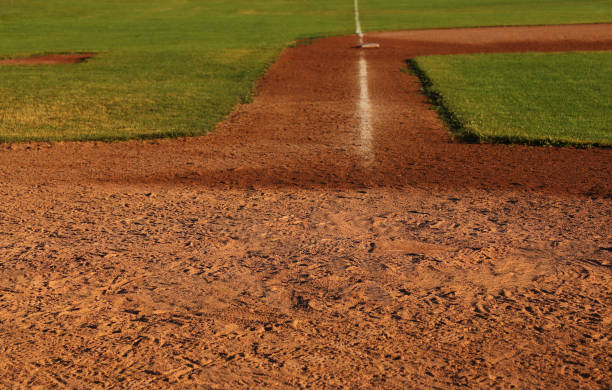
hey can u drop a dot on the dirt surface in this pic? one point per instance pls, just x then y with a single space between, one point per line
321 237
49 59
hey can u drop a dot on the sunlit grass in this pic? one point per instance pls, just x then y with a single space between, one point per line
177 67
550 99
385 14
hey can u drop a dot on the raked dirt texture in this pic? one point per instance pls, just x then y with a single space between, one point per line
296 248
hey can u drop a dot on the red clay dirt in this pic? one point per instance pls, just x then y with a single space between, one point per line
293 248
49 59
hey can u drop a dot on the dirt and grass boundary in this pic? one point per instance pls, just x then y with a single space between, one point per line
519 108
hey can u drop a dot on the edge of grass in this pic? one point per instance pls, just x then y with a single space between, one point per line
246 98
491 26
460 132
103 138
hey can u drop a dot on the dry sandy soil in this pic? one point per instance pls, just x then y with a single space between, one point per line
295 247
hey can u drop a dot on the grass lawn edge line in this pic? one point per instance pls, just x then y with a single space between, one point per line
486 26
435 98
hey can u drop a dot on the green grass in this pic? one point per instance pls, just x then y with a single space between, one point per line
165 67
534 98
417 14
177 67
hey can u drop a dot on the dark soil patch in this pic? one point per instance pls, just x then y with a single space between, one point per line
49 59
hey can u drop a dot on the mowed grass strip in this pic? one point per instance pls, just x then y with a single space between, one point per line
380 15
534 98
177 67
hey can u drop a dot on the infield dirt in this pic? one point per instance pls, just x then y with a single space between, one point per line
285 250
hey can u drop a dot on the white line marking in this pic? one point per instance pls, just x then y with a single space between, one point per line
357 22
364 107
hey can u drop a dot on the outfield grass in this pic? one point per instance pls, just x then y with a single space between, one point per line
165 67
413 14
177 67
534 98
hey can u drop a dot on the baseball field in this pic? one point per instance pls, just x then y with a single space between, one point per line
174 68
281 209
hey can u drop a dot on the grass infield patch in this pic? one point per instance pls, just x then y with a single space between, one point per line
534 98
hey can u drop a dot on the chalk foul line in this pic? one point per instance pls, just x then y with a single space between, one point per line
364 107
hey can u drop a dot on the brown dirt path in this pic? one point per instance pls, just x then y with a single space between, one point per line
287 249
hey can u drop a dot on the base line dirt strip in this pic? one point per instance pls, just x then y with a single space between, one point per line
268 255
